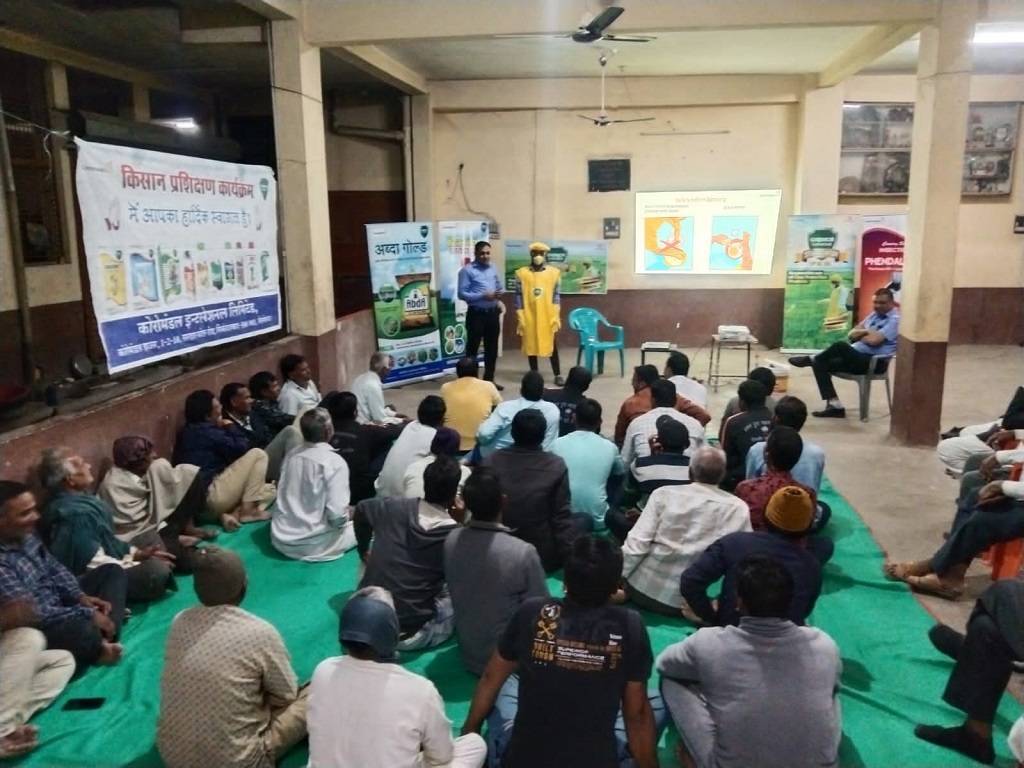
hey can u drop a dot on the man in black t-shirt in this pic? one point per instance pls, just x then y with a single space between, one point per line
582 664
744 429
568 397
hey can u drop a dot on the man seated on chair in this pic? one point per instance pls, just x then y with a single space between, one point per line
874 336
998 517
642 401
568 397
984 657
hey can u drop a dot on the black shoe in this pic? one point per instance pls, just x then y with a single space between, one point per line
960 740
498 386
831 413
801 361
559 381
946 640
954 432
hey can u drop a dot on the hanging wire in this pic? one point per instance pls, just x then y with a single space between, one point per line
26 126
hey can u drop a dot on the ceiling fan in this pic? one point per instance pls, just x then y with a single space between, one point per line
594 30
602 120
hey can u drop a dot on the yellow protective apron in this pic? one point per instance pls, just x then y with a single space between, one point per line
539 314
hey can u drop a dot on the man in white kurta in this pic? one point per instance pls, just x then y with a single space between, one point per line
311 521
412 444
368 387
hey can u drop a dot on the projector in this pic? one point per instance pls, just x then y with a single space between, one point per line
733 332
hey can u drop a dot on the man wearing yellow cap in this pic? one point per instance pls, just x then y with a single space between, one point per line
538 308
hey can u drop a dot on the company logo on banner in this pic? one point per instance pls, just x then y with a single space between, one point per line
181 252
818 304
584 264
455 241
404 299
881 258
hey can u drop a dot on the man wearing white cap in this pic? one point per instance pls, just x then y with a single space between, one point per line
538 308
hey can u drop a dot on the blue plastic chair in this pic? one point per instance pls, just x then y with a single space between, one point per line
587 323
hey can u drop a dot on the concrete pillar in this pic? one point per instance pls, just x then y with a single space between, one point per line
302 187
545 174
940 125
819 142
422 157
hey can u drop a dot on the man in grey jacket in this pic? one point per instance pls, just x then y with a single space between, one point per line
490 573
763 693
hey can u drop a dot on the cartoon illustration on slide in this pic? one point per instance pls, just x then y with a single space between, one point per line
668 243
733 239
839 301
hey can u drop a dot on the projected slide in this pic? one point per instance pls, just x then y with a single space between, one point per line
706 233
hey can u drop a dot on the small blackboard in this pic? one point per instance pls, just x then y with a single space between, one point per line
607 175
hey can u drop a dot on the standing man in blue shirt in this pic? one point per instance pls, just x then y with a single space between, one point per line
874 336
480 287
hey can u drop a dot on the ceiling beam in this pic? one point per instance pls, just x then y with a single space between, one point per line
42 49
335 24
373 61
580 93
223 35
274 10
876 43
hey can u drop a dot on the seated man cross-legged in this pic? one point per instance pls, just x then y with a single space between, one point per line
763 693
311 521
536 485
489 572
678 523
788 517
83 619
570 675
874 336
367 711
407 557
228 694
782 451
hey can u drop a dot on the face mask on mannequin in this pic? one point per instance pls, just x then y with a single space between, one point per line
538 259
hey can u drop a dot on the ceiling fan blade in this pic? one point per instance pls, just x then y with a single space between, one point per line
531 37
591 119
629 38
633 120
605 19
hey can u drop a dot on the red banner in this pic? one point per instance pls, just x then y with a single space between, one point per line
881 259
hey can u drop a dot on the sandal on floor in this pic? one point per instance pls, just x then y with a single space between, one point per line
933 585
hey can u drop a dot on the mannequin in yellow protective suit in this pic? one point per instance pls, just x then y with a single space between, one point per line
538 309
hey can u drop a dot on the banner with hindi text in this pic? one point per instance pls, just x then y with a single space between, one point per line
455 242
405 299
181 251
881 258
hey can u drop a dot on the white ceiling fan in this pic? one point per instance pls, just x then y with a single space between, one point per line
594 30
602 120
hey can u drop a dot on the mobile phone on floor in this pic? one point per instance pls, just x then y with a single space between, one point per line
94 702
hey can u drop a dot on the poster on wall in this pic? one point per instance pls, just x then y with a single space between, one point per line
881 258
584 264
404 299
706 232
181 252
455 241
821 251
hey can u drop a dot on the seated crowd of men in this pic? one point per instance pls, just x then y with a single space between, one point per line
456 527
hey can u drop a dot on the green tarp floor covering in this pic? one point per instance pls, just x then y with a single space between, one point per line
892 676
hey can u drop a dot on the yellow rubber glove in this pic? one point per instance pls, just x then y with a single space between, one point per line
520 321
556 324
